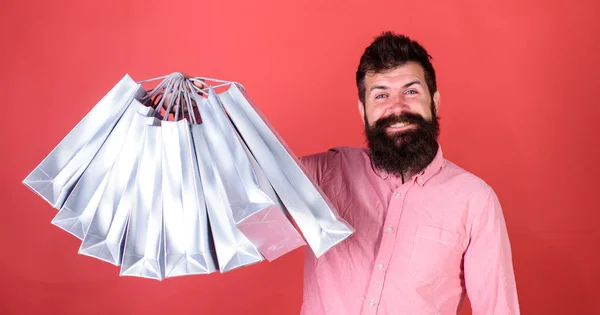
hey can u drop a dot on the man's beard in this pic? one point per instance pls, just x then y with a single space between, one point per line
407 152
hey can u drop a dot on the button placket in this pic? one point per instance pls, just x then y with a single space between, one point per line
388 241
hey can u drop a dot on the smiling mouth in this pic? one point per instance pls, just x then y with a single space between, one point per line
399 124
399 127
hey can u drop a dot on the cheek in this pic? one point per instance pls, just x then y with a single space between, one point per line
423 110
427 113
374 113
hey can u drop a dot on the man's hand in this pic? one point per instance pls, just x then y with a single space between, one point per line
179 101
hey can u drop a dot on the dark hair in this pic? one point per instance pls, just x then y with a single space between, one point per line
388 51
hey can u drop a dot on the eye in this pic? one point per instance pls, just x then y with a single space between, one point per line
412 92
379 96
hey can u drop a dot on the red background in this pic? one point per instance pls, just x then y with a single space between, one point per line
518 80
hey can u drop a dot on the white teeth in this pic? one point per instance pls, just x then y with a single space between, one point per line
398 125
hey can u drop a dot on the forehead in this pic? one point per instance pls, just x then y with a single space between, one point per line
410 71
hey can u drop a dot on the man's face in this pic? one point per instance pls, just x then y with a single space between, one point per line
397 91
400 119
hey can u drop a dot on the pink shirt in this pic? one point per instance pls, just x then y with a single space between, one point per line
418 247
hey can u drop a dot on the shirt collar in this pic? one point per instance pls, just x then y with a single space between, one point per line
433 168
421 179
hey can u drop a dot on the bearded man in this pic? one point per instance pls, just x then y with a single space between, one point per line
427 231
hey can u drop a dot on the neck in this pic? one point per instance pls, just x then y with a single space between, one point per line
407 177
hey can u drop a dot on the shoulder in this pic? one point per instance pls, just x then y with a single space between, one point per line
481 199
463 179
334 155
334 159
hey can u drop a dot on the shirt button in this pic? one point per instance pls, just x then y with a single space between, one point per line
398 194
389 228
380 266
420 180
371 303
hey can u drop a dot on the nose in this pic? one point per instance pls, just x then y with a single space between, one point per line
397 104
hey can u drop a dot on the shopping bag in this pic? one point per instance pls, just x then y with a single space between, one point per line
254 212
312 211
54 178
232 247
188 242
79 208
270 225
105 236
143 253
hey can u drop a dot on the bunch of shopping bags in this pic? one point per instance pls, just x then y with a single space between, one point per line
181 180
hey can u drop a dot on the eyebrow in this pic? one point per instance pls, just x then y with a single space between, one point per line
383 87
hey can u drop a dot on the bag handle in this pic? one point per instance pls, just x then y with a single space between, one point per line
181 91
166 90
191 112
156 92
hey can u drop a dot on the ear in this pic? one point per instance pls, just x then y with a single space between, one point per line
361 110
436 101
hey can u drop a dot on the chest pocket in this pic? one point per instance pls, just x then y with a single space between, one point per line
435 253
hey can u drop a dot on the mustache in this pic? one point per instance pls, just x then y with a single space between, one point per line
408 118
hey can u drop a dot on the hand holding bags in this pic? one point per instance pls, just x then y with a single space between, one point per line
181 180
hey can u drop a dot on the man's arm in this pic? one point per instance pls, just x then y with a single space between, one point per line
488 268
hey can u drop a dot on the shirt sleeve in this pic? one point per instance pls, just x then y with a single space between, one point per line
488 268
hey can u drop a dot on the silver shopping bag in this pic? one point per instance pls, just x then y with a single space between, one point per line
79 208
105 236
143 254
314 214
54 178
188 242
232 247
256 215
270 225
